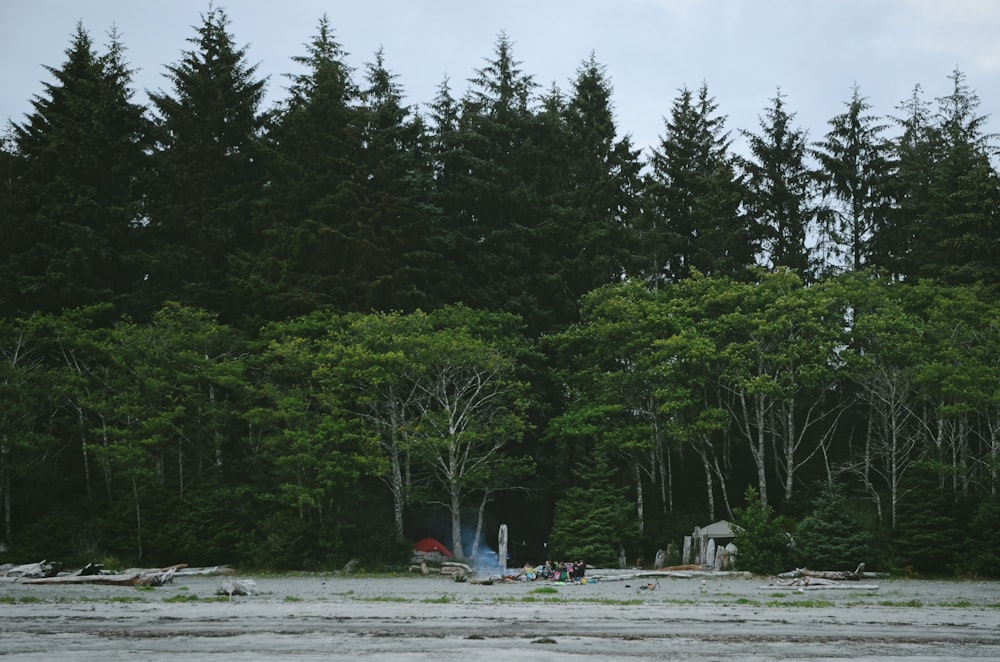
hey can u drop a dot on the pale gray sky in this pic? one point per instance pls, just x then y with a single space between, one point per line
815 50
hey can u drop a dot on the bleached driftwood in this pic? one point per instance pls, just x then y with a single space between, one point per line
836 575
820 584
140 578
233 587
26 570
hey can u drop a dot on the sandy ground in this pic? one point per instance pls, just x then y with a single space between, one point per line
328 617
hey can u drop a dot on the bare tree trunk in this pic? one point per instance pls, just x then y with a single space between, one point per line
396 486
84 449
138 517
8 528
480 517
455 506
667 474
639 499
708 484
722 486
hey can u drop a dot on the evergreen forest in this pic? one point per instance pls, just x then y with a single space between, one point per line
287 337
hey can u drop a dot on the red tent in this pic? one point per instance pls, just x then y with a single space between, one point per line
431 545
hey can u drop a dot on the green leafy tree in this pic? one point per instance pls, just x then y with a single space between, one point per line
692 199
778 342
762 542
368 375
70 221
781 198
313 447
472 414
829 537
207 174
607 368
886 354
29 389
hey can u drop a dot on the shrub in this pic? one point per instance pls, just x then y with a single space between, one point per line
760 537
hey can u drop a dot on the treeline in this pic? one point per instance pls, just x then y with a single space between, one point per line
292 336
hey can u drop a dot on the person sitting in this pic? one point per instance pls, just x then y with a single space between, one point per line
579 570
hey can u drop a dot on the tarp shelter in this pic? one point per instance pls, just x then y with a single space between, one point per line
428 545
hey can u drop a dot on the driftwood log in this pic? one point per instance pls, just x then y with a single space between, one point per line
802 584
836 575
131 577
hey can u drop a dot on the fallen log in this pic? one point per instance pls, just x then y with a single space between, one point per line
125 579
820 583
824 587
838 575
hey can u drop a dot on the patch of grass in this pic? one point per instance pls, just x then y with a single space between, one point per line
545 590
611 601
381 598
145 589
181 598
778 595
680 601
29 599
7 599
440 600
901 603
748 601
961 604
292 598
801 603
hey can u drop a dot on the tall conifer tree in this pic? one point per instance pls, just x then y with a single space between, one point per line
312 148
781 198
207 171
396 254
853 158
593 178
498 208
692 218
72 175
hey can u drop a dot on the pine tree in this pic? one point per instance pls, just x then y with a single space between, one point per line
944 224
311 146
853 175
207 171
829 538
590 179
593 519
911 174
490 194
968 187
781 197
72 214
396 252
762 544
691 217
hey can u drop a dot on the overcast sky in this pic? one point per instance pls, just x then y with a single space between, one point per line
814 50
